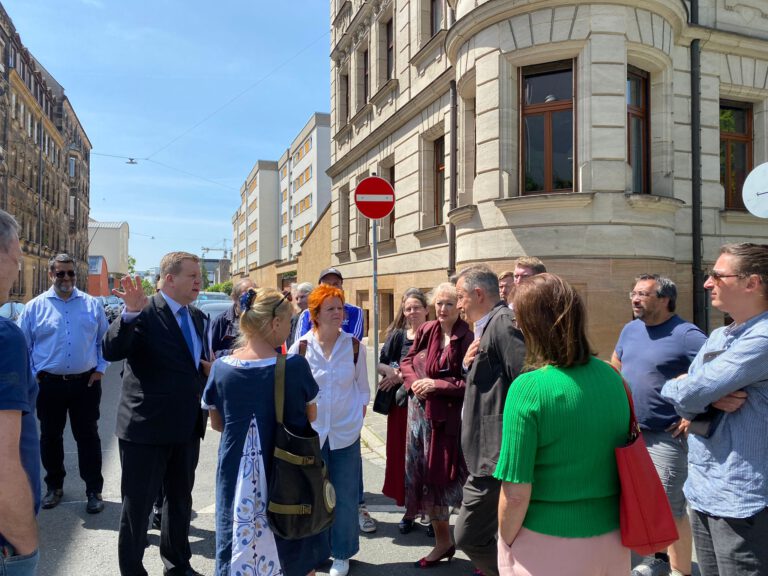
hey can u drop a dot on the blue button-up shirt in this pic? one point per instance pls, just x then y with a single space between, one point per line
64 336
728 472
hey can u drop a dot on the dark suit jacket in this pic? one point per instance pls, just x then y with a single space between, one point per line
497 363
160 401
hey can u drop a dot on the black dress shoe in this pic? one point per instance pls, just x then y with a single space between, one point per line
180 572
95 503
405 525
52 498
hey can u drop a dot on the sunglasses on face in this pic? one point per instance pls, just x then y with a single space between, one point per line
718 277
62 273
286 296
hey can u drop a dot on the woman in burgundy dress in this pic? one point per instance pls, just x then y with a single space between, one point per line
435 470
399 339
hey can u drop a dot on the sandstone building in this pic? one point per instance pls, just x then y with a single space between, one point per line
45 168
608 138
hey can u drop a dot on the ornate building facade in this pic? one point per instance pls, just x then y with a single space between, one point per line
45 169
607 138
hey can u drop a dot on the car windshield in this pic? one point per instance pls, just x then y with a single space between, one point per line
215 309
208 296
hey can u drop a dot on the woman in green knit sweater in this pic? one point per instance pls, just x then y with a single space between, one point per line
559 503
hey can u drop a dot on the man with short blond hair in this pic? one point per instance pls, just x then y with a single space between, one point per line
160 421
506 285
527 266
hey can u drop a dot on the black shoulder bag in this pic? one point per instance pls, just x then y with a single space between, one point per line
301 498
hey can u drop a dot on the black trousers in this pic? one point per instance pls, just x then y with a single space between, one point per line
731 546
56 399
147 468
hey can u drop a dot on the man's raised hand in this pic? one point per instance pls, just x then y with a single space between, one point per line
132 293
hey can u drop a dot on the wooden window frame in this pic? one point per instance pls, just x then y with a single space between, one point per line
547 109
642 112
737 203
438 170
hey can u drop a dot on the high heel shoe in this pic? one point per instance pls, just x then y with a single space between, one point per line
424 563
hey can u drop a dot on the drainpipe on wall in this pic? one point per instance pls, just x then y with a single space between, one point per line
453 200
700 317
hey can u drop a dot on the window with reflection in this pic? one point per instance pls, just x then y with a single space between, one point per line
547 127
638 118
735 150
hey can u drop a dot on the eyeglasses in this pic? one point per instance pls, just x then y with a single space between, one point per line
286 296
718 278
640 294
62 273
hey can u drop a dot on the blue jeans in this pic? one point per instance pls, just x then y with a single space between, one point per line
19 565
344 470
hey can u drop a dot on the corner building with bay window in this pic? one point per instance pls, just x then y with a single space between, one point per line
551 128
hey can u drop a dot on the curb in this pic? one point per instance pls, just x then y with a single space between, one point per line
373 442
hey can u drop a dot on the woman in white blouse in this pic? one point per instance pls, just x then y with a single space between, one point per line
337 361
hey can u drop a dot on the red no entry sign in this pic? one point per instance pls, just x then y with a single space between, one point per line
375 197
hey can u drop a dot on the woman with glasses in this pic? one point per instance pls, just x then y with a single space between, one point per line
399 339
559 501
337 361
240 399
435 470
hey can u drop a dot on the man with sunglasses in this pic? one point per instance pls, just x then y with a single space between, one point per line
64 327
727 486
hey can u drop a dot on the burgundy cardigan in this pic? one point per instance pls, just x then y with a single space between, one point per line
442 406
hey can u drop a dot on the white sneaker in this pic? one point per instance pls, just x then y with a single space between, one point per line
367 524
339 568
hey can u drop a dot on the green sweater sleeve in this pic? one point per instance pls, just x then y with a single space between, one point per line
519 440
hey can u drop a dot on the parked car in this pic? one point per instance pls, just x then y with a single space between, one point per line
11 310
215 308
211 296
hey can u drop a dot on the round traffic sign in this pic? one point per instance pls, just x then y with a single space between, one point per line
374 197
755 191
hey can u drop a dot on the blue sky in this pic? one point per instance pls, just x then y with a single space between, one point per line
142 73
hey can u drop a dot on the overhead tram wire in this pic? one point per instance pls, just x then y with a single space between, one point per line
239 95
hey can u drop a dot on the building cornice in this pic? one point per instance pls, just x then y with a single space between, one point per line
411 108
653 203
491 13
556 200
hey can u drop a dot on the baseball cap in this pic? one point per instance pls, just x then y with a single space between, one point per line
327 271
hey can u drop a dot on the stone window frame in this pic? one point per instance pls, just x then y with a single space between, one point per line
427 199
387 224
362 223
343 95
426 21
343 219
467 153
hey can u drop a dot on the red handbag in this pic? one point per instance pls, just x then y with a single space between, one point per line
645 518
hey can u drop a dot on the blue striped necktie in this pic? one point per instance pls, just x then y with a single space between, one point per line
185 329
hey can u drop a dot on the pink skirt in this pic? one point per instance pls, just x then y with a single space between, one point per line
534 554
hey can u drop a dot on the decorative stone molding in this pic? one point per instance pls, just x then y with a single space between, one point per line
652 203
362 252
343 132
362 116
432 233
751 6
738 217
554 201
385 93
462 214
430 50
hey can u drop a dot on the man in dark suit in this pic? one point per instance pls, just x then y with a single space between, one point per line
494 360
159 421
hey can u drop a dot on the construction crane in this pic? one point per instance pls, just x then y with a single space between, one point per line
225 251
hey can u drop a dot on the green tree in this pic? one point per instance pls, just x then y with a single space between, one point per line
225 287
204 272
131 265
147 286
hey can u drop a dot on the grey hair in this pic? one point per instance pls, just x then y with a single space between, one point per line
304 288
61 259
241 286
442 288
9 230
665 288
481 276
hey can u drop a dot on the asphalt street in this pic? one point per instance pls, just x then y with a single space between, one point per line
74 543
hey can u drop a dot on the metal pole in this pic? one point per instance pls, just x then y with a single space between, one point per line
375 292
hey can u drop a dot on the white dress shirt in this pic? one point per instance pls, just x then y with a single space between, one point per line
344 389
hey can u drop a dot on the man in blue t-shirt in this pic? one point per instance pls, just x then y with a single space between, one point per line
655 347
19 444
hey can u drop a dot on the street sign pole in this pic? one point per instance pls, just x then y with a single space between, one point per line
375 199
375 228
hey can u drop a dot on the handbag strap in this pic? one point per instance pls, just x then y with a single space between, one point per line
279 387
634 427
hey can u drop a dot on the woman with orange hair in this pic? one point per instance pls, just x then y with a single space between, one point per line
337 361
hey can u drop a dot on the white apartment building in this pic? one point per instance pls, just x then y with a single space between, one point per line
280 203
609 138
110 240
305 188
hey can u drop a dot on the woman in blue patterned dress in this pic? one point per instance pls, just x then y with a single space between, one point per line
240 398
